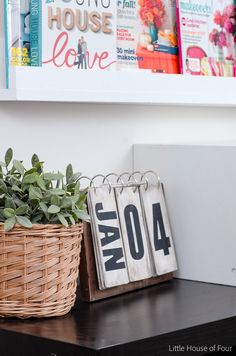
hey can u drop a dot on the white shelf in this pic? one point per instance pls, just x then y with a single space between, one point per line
7 95
60 85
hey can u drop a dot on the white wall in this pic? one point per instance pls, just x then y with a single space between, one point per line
2 48
99 138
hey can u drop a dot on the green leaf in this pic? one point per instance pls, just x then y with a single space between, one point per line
3 186
75 198
52 176
19 167
62 220
77 188
30 178
53 209
67 202
22 210
82 199
72 220
37 218
43 206
39 167
8 156
9 203
35 193
18 201
69 174
2 217
22 220
12 170
82 215
8 212
15 188
30 171
9 223
13 179
34 159
41 183
71 187
57 191
55 200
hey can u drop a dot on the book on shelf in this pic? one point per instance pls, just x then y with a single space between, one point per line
207 37
36 33
17 34
74 35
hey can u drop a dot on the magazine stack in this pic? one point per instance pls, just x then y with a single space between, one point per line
159 36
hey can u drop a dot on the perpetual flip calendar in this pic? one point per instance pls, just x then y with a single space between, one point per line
131 232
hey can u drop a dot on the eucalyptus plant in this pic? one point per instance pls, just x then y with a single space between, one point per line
32 196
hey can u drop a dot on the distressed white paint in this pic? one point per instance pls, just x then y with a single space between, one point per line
151 195
137 268
95 245
110 278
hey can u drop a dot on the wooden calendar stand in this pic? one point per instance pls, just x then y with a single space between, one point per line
88 276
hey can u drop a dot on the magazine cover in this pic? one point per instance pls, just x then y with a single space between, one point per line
207 36
129 29
17 32
147 35
79 35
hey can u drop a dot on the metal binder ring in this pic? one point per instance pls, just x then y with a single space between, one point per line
146 182
85 177
119 179
109 175
135 180
154 174
92 184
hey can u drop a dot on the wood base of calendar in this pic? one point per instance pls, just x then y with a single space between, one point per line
89 290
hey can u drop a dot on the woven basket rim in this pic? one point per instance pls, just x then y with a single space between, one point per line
42 227
46 225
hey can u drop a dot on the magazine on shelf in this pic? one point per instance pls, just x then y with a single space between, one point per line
129 28
147 36
17 34
207 36
74 35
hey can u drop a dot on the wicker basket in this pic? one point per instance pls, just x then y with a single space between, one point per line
39 270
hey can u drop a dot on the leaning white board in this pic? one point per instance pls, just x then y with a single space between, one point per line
200 190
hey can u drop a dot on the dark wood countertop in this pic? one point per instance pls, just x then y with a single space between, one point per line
153 321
